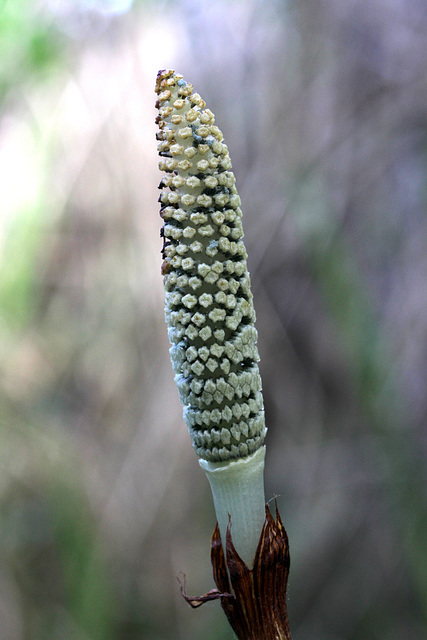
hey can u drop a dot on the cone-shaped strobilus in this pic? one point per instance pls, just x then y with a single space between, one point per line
210 317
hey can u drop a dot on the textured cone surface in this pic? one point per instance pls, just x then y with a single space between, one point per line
209 308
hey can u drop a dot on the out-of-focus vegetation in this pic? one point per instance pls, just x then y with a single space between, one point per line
101 498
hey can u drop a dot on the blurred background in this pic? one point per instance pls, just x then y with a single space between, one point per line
102 501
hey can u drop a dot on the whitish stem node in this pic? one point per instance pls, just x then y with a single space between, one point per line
238 494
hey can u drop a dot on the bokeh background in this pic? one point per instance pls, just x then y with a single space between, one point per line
102 502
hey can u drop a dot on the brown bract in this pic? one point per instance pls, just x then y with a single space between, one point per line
254 600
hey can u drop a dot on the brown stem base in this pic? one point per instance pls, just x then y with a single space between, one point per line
254 600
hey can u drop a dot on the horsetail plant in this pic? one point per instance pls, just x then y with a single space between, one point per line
210 316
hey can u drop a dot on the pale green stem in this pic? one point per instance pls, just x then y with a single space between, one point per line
238 492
